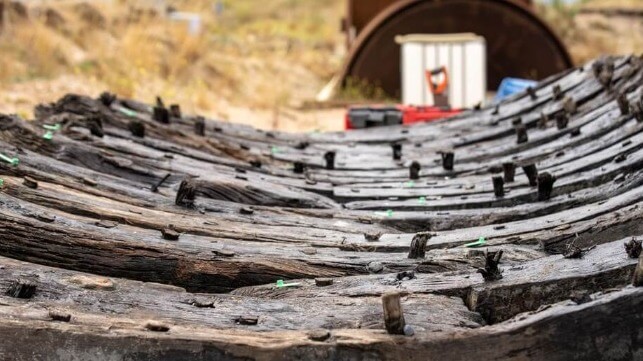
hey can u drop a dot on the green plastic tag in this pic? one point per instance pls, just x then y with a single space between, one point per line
54 127
128 112
13 161
387 213
281 284
480 242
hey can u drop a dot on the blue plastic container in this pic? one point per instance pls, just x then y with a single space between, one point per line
510 86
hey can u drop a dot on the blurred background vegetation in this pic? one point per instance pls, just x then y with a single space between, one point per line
254 61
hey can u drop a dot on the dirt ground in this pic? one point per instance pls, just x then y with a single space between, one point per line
19 99
253 62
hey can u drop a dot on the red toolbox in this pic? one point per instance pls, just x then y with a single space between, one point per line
372 116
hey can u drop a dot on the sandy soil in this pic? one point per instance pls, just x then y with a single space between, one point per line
21 98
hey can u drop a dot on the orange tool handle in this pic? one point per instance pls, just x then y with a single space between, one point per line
437 88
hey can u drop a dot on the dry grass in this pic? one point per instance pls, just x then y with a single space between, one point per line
627 4
588 36
265 55
254 63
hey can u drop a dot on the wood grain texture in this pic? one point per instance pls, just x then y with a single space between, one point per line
141 232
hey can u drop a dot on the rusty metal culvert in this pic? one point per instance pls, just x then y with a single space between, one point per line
519 43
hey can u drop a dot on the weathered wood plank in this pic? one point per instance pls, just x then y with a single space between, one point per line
126 189
79 293
522 288
542 336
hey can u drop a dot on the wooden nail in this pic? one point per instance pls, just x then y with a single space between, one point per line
175 111
561 121
199 126
557 93
186 194
521 134
414 170
491 271
569 104
637 281
95 126
137 128
606 77
498 186
418 245
633 248
509 169
532 93
161 115
393 314
637 111
532 174
298 167
516 121
397 151
107 98
545 185
447 160
623 104
543 121
330 160
597 67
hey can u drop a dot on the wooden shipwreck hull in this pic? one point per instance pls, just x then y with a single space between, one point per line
129 231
